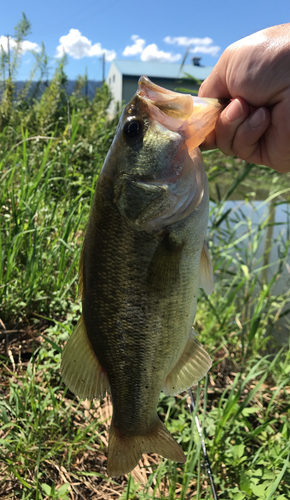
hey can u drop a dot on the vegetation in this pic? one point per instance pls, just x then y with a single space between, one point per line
54 445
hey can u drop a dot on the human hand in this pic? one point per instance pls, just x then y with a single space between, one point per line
255 73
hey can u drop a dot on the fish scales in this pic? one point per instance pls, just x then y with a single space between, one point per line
142 263
120 270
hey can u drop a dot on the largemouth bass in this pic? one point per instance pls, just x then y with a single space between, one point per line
143 261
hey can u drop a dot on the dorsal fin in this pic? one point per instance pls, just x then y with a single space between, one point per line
81 276
81 370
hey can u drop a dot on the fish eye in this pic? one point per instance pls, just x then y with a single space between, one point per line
133 128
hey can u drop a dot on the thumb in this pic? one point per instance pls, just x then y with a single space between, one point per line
215 84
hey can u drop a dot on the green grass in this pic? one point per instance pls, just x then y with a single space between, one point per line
54 445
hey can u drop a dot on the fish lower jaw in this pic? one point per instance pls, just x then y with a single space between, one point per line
163 203
179 205
181 209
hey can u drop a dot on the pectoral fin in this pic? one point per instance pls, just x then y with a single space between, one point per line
163 272
192 365
81 371
206 280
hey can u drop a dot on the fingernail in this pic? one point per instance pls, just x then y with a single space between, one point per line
234 110
257 118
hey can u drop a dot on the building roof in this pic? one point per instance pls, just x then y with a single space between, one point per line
69 86
161 70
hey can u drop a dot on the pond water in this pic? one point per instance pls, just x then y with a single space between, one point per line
256 232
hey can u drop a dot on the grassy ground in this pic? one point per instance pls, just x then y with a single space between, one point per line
54 445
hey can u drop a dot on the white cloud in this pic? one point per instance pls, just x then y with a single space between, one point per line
152 53
78 46
136 48
200 45
213 50
186 41
25 45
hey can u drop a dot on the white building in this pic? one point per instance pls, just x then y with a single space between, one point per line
123 77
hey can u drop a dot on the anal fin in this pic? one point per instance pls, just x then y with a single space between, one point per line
192 365
81 370
125 451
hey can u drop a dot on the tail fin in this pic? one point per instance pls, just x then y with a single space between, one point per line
126 451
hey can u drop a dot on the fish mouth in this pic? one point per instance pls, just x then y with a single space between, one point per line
193 119
170 194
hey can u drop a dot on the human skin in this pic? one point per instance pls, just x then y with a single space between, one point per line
255 74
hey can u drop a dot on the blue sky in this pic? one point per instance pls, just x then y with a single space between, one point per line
159 30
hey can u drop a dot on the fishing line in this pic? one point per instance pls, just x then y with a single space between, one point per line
206 458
